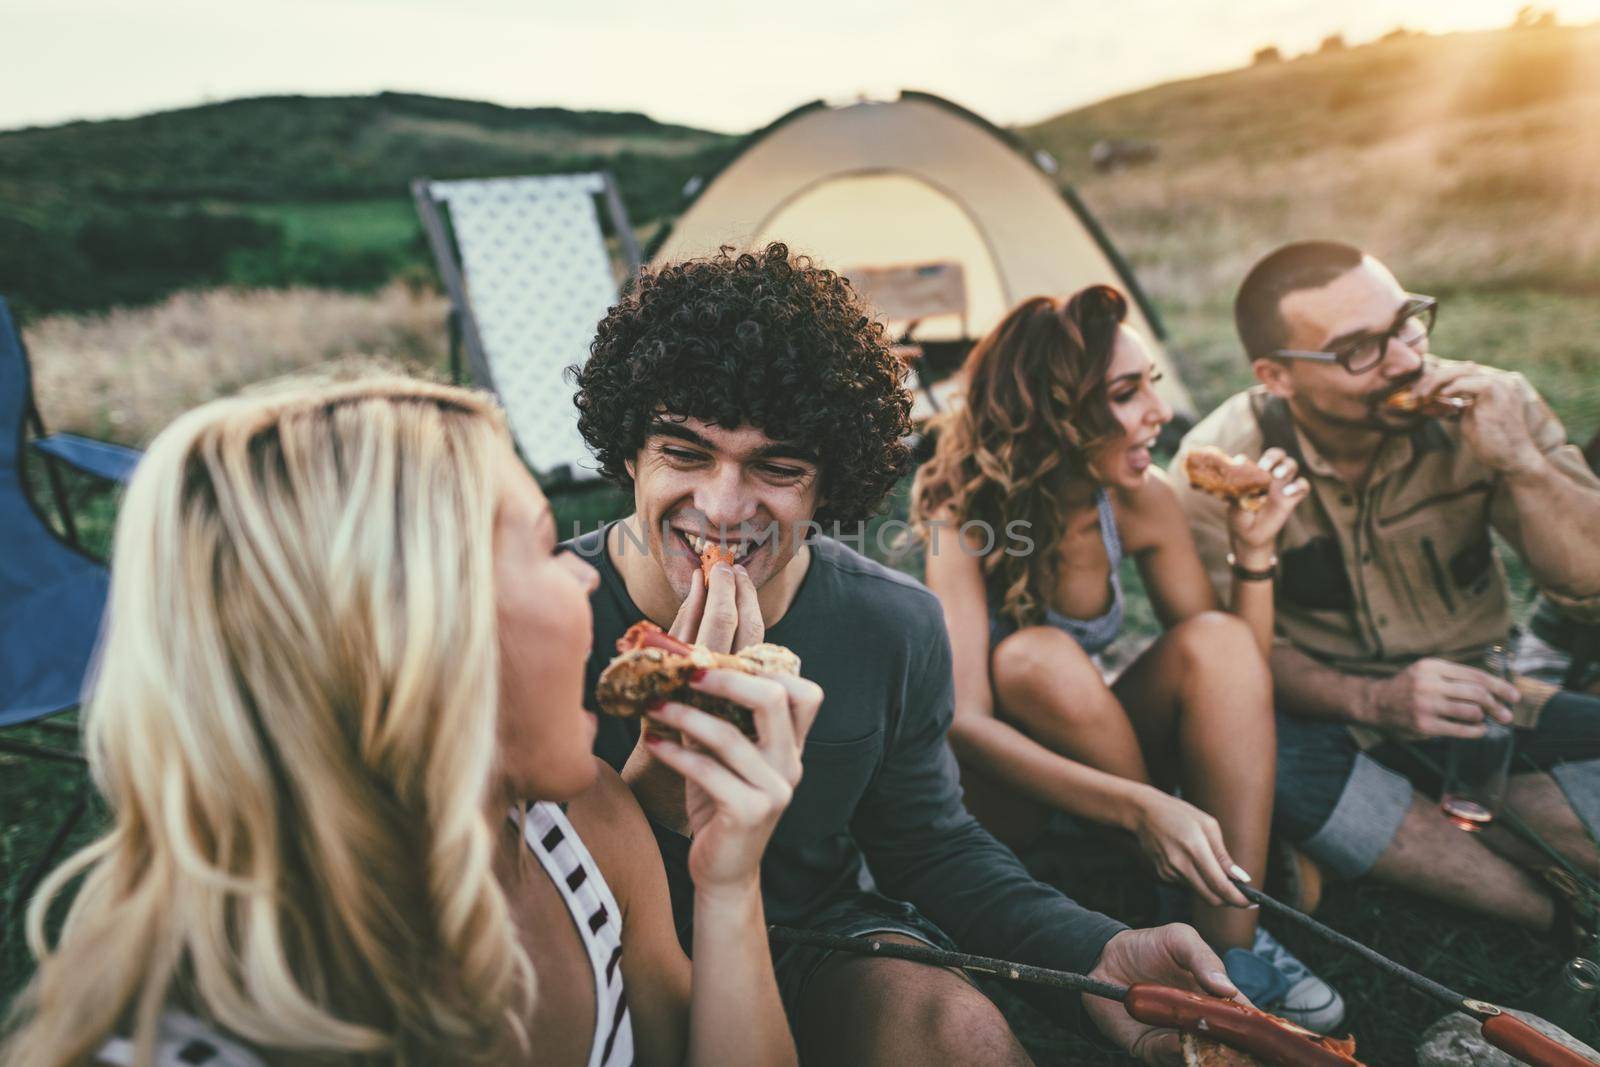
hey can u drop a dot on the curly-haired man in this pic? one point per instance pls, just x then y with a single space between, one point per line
745 399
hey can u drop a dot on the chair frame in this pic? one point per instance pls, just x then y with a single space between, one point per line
462 323
32 421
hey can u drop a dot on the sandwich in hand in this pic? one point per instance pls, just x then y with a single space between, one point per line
1204 1052
652 665
1201 1051
1435 406
1232 478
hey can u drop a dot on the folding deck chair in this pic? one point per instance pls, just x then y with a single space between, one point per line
532 280
52 591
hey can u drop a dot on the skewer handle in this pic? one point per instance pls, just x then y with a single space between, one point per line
1511 1035
1232 1024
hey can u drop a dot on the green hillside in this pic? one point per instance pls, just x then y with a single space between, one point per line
290 189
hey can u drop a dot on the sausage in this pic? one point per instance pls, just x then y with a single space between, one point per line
1272 1039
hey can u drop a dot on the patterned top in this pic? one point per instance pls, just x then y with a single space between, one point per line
1093 635
184 1041
551 838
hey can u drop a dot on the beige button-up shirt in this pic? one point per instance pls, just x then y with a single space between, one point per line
1371 580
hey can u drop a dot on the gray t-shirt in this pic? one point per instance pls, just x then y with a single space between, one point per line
880 787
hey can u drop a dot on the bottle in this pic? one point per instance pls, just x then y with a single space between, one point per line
1571 1001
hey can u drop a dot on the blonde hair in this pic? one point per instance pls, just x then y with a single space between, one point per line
294 723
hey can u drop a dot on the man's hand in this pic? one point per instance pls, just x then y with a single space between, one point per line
1494 427
1166 955
1437 698
724 616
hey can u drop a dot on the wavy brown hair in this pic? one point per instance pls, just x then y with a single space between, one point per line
1036 406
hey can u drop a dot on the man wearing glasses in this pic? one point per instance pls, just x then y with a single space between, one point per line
1389 592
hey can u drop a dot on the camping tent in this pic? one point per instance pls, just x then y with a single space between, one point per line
944 220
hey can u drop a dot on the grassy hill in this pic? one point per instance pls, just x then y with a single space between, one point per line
1470 163
289 189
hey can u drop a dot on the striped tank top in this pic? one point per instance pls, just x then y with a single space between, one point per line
185 1041
551 838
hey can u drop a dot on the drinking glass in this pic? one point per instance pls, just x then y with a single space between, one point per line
1476 768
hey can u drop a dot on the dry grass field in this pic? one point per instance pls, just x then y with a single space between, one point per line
1470 163
124 374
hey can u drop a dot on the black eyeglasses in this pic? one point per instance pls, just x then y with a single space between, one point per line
1411 327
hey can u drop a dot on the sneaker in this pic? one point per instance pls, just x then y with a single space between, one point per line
1274 980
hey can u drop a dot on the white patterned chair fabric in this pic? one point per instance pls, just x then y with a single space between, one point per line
535 278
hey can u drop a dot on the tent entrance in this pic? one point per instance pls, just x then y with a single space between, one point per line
902 238
883 190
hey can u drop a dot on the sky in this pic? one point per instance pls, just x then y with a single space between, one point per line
729 65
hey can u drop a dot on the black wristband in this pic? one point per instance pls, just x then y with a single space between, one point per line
1245 574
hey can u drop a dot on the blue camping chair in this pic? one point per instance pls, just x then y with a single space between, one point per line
52 591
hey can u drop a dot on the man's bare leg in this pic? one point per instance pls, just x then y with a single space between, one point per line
1539 802
1431 856
886 1013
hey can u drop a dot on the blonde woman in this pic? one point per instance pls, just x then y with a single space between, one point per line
339 721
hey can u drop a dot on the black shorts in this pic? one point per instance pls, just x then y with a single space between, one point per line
855 916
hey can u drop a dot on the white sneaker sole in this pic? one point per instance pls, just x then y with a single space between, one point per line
1313 1004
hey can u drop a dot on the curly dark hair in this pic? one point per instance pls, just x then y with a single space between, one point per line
761 339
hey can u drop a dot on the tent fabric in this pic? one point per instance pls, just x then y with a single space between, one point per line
539 279
913 292
893 184
52 597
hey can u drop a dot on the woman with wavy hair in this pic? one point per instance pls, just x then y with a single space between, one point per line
1040 484
338 720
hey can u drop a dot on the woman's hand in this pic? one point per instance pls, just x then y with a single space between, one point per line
1255 533
1185 845
736 789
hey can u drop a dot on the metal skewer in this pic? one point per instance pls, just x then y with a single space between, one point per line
1441 993
1502 1029
1016 972
1220 1020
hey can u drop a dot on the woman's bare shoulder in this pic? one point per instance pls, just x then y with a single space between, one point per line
1149 514
607 806
612 826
